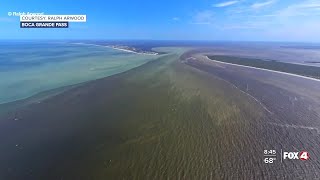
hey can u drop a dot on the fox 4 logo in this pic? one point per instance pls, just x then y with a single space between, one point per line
303 155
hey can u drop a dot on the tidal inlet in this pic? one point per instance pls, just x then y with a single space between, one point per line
130 116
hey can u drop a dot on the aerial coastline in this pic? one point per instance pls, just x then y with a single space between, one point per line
160 90
153 115
131 50
123 48
316 78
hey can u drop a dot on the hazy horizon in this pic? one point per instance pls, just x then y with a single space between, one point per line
166 40
222 20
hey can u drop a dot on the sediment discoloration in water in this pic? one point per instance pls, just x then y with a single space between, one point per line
292 104
165 119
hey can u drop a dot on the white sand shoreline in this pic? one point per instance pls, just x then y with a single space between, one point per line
127 50
115 48
289 74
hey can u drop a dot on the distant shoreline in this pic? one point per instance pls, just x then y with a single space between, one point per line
121 48
252 67
128 49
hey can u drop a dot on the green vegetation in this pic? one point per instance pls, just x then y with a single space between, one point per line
309 71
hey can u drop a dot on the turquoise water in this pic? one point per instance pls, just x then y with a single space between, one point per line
27 68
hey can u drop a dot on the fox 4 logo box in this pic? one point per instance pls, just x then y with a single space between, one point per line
303 155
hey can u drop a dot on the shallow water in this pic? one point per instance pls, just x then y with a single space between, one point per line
165 120
27 68
148 123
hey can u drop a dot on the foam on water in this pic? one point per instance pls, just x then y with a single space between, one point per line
297 127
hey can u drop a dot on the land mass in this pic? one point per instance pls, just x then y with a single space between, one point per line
132 50
124 48
303 70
